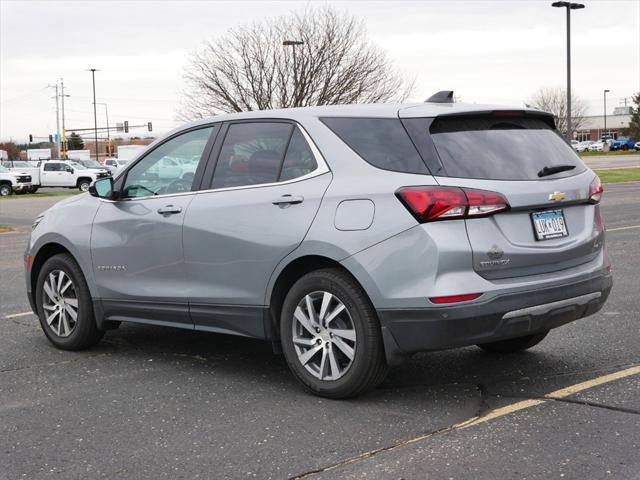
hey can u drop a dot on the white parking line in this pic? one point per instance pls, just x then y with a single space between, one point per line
16 315
622 228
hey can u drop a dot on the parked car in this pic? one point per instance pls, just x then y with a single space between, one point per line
10 182
622 143
597 146
348 236
92 165
637 146
65 173
583 146
115 164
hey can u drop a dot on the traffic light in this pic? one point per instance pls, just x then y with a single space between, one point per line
126 126
30 138
50 138
149 126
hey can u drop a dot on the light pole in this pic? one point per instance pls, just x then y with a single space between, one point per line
292 44
57 120
569 6
106 112
95 113
64 132
605 111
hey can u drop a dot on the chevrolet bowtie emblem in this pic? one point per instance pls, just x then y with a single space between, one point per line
557 196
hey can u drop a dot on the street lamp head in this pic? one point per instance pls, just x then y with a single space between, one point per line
287 43
570 5
607 91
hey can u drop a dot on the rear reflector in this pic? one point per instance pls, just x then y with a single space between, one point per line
455 298
432 203
595 190
29 260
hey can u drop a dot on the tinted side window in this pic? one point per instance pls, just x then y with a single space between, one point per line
52 167
382 142
251 154
169 168
299 159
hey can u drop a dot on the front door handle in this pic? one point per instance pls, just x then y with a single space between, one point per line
169 210
288 200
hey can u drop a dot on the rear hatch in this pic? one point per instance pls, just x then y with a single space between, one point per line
551 223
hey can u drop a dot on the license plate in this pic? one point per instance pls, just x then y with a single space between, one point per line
549 224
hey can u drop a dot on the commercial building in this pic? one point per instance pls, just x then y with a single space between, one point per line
593 128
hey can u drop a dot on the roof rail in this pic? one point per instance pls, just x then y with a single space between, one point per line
443 96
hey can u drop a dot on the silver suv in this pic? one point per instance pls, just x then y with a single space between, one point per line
348 236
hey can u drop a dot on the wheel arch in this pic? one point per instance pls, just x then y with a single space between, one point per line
45 252
80 179
291 273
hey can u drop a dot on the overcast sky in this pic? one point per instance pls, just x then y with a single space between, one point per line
499 52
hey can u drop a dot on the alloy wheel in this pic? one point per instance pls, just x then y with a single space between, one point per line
60 303
324 335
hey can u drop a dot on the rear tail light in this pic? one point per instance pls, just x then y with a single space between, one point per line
595 190
433 203
455 298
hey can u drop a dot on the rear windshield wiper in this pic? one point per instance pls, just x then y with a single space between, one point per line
546 171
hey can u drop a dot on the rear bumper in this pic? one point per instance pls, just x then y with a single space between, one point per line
505 316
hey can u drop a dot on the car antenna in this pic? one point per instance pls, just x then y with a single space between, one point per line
443 96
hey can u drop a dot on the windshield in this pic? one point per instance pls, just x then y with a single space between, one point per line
77 165
501 148
91 164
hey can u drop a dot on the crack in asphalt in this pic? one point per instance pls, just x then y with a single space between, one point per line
483 410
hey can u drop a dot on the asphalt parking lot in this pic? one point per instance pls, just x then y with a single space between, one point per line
150 402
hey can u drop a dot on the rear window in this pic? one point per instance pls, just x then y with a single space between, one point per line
501 148
381 142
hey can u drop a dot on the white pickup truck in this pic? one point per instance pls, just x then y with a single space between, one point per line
10 182
66 174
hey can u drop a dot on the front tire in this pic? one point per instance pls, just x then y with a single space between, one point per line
330 335
33 189
64 305
83 185
513 345
5 190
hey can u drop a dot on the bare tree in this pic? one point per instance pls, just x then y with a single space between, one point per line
554 100
250 69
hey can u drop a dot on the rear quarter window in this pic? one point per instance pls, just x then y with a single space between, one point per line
381 142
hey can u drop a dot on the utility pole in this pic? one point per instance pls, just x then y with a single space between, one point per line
57 120
64 131
292 44
605 111
569 6
106 112
95 112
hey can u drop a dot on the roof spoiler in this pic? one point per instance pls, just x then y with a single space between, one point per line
443 96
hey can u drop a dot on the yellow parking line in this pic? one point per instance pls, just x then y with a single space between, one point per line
16 315
562 393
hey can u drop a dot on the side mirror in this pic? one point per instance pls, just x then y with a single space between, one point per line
69 169
102 188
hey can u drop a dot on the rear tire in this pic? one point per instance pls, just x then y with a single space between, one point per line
513 345
63 330
349 354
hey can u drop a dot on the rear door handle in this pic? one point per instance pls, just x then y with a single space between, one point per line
169 210
288 200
